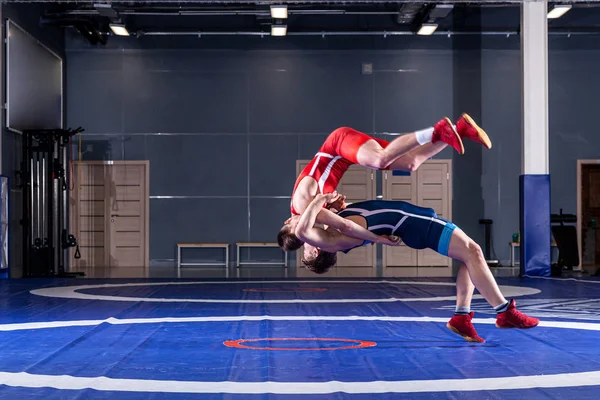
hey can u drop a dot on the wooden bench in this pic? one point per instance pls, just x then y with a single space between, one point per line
181 246
239 246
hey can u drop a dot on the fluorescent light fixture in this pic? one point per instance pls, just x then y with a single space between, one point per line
441 11
106 10
279 12
559 11
427 29
278 30
119 29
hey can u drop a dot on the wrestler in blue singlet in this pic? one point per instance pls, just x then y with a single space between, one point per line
418 227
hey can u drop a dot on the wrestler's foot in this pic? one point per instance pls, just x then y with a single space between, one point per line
511 318
461 325
444 131
468 129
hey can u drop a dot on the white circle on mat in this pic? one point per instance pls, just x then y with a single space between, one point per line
72 292
102 383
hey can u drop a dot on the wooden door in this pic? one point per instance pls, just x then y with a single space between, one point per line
110 214
433 192
400 186
430 186
590 213
358 184
128 215
88 215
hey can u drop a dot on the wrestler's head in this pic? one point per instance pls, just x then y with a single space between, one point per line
286 238
317 260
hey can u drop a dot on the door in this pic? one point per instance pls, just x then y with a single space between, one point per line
400 186
433 192
357 184
110 214
590 214
430 186
128 214
88 215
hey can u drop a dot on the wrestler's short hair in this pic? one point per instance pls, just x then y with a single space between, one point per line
287 240
321 263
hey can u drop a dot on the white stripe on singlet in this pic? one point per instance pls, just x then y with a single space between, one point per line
314 167
318 157
366 213
326 173
324 155
392 227
372 228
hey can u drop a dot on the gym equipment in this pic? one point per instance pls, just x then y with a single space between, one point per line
588 242
487 223
44 177
566 241
4 227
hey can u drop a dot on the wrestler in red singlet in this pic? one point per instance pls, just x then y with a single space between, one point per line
331 162
340 150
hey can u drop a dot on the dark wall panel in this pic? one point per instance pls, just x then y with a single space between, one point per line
501 166
267 217
308 146
197 165
134 147
194 220
96 100
184 102
272 164
412 91
573 124
310 101
468 201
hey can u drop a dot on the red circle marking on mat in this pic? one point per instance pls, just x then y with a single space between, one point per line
279 290
361 344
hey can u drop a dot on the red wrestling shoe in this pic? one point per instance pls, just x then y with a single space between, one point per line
468 129
511 318
444 131
461 325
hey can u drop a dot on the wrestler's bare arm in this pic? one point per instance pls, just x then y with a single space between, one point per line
338 237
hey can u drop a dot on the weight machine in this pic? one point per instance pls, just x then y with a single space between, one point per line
566 241
45 184
487 223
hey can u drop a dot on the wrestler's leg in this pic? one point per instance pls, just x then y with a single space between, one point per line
373 155
466 128
464 290
413 160
464 249
460 323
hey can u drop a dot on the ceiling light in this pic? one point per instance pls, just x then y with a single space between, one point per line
106 10
441 11
279 12
119 29
278 30
558 11
427 29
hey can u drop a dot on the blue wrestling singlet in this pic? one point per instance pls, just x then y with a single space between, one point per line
418 227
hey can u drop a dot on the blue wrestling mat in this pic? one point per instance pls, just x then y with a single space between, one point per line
325 339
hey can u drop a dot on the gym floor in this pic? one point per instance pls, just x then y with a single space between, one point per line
286 339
